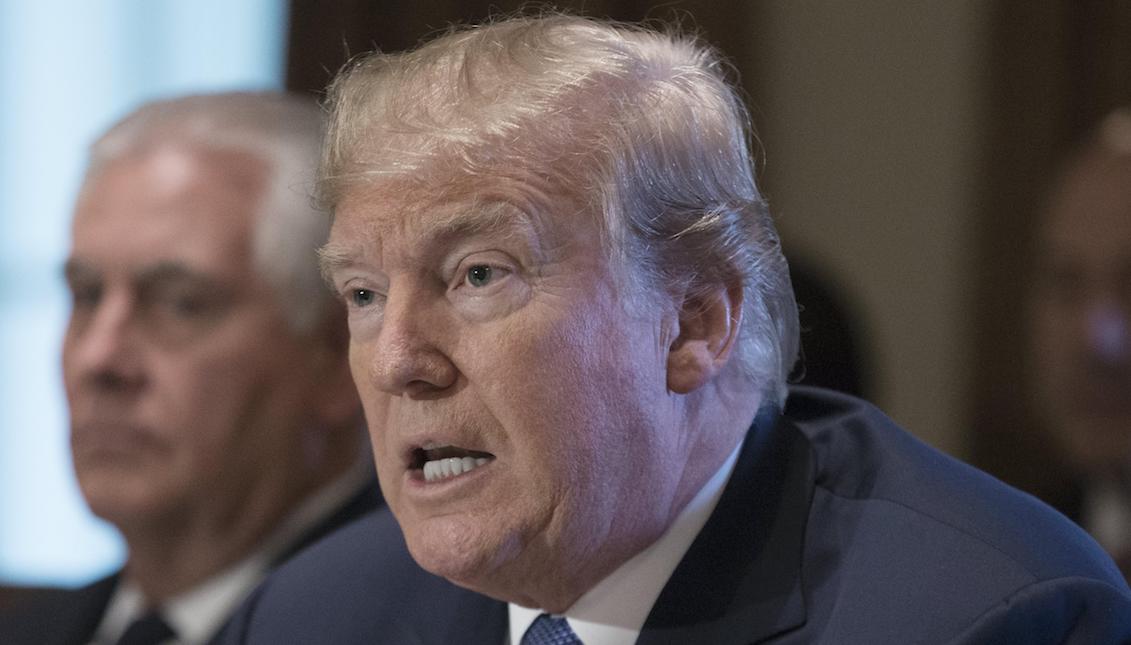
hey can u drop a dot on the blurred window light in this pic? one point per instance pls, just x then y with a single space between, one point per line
69 69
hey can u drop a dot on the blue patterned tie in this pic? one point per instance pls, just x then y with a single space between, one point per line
550 630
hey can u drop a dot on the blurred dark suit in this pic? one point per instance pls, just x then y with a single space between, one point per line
71 616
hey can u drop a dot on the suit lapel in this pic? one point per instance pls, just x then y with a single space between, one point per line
479 620
367 499
453 615
740 582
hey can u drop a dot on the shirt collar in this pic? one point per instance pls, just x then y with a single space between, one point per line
197 614
614 610
1107 515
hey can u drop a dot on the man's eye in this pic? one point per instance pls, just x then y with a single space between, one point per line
85 297
187 306
362 297
479 275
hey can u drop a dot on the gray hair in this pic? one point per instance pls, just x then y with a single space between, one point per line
642 126
285 132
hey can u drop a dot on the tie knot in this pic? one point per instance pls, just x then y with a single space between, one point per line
550 630
149 629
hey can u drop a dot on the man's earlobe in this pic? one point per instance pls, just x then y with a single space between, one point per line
709 321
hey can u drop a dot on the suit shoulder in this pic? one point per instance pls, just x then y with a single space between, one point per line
1065 611
914 542
863 458
360 584
56 615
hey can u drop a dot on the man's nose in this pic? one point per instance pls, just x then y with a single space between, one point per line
102 349
409 357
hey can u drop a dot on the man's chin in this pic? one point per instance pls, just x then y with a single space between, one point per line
119 498
460 552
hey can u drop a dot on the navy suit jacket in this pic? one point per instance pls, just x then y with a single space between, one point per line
835 527
71 616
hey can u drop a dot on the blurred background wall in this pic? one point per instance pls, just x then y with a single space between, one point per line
871 118
906 146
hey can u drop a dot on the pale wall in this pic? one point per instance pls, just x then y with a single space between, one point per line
870 116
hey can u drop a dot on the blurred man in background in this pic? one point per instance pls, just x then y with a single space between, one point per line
1081 333
213 419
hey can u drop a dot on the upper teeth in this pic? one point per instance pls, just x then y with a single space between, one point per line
451 466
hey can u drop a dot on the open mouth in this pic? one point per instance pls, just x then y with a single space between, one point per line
443 462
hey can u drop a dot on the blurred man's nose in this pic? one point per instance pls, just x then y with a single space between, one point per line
103 348
409 358
1107 326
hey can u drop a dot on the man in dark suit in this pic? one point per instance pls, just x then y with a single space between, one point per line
213 419
571 326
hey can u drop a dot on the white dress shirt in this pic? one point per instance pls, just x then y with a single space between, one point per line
196 615
1107 516
614 611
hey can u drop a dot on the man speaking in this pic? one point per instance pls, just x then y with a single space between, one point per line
571 325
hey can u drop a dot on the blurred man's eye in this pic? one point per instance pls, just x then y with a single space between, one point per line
181 310
185 306
85 296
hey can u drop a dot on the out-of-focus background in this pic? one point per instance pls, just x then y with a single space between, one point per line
906 146
68 69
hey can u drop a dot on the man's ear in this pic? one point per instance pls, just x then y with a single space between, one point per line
338 401
709 320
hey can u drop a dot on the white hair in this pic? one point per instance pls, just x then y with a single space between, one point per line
284 132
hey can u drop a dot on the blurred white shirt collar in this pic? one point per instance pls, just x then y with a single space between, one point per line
198 614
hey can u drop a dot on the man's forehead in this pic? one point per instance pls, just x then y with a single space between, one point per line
375 221
167 208
169 167
1091 214
178 179
171 164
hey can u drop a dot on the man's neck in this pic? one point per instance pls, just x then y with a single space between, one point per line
168 557
168 560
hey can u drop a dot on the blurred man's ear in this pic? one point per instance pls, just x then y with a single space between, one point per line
339 403
709 320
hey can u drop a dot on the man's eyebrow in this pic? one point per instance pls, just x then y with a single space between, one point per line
333 257
164 272
169 271
494 219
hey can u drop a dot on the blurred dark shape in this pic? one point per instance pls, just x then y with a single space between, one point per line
832 341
